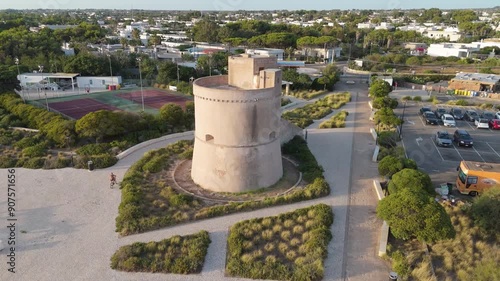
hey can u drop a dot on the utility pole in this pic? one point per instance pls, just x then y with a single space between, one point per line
16 61
110 69
140 77
40 68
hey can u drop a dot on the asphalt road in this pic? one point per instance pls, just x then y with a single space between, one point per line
441 162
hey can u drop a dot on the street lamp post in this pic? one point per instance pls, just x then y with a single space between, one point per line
40 68
177 73
402 120
16 61
110 69
140 77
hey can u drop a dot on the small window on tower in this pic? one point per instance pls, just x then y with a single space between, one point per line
272 136
209 138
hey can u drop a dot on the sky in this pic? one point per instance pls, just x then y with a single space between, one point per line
229 5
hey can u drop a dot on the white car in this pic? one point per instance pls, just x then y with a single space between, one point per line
482 123
448 120
497 115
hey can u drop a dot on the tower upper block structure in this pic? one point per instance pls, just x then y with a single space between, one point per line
237 126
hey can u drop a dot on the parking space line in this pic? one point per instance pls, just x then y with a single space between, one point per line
437 149
457 151
478 154
493 150
470 125
421 120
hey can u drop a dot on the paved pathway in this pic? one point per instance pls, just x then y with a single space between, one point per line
67 217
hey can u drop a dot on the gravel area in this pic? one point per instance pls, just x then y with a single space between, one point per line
66 218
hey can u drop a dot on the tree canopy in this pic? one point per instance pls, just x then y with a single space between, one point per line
414 214
410 179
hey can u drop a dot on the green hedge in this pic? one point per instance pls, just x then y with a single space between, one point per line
290 246
178 254
94 149
336 121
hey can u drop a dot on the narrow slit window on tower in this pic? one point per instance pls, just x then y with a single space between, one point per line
272 136
209 138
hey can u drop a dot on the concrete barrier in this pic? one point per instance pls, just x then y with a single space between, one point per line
374 134
384 230
375 153
384 236
378 189
153 141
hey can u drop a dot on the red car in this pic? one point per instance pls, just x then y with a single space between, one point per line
494 124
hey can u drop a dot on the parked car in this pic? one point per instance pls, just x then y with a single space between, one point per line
442 138
439 112
448 120
457 113
430 118
462 138
481 123
471 115
494 124
425 109
488 115
497 115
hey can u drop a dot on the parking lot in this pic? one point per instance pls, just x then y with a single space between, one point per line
441 162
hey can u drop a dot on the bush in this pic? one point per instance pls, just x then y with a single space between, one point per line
400 264
93 149
387 139
411 179
34 163
407 98
382 102
485 211
301 261
179 254
417 98
413 213
462 102
389 166
35 151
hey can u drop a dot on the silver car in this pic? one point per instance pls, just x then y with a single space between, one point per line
442 138
448 120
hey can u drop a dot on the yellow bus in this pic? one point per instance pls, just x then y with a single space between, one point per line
474 177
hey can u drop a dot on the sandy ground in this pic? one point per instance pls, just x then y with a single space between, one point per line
65 218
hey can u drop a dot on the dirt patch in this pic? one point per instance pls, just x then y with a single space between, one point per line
181 171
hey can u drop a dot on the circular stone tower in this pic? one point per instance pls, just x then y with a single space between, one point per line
237 120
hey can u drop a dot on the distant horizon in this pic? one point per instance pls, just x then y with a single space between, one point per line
246 5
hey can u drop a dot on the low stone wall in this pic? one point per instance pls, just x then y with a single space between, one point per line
150 142
384 230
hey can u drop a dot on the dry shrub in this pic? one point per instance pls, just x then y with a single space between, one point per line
270 247
247 245
283 247
305 236
298 229
289 223
267 234
294 242
277 228
285 235
247 258
267 222
291 255
270 259
257 253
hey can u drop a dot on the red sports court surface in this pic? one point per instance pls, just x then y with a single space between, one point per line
152 98
80 107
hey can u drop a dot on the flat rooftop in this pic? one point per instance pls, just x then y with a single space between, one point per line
51 75
486 78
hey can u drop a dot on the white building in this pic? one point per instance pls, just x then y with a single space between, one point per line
366 25
451 34
451 50
385 26
279 53
48 81
97 82
68 51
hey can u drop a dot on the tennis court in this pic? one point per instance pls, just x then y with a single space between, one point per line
76 106
154 98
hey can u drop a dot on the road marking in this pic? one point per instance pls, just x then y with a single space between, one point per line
421 120
410 122
406 155
457 151
478 153
437 150
493 150
418 140
470 125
